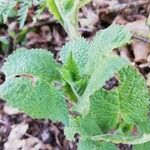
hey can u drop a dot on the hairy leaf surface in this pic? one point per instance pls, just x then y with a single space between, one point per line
105 70
103 43
37 62
101 64
78 49
88 144
86 127
145 146
66 12
127 103
28 85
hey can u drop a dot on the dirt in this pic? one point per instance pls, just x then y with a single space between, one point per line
46 33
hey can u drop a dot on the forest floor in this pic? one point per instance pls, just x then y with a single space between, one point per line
18 131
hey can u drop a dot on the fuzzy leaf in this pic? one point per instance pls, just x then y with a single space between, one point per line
20 63
99 59
144 127
106 69
127 103
28 86
66 12
73 69
145 146
70 73
103 43
92 145
79 50
85 126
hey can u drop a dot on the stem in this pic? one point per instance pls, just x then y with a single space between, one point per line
71 24
72 30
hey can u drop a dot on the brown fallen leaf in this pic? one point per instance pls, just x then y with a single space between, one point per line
89 19
17 141
141 50
18 131
124 52
139 27
10 110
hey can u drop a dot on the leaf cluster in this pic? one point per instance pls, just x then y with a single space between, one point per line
39 86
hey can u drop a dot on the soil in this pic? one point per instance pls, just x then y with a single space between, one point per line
47 33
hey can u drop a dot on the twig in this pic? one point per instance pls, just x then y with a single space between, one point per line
144 39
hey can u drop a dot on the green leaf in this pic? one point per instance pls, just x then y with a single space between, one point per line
144 127
70 73
73 69
105 70
28 85
37 62
92 145
79 50
128 103
103 43
51 4
99 59
66 12
135 95
145 146
85 126
119 138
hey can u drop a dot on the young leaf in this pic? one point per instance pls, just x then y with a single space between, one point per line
73 69
28 86
70 73
79 50
99 59
103 43
106 69
85 126
127 103
66 12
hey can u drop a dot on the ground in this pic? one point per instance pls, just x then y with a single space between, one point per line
20 131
